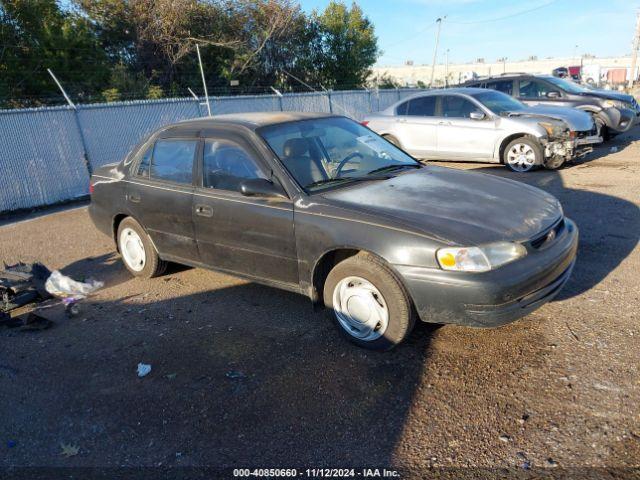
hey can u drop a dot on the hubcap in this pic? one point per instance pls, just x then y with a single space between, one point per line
521 157
360 308
132 249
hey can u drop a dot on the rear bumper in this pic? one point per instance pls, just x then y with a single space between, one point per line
493 298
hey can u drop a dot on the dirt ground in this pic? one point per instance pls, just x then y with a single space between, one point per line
249 376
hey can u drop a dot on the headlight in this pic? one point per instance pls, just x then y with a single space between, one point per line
614 104
553 130
479 259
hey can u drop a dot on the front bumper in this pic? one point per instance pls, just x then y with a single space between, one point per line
494 298
561 148
620 120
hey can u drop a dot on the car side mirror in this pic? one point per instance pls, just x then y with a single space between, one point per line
477 115
553 94
260 187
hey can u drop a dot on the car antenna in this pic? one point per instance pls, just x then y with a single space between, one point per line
318 91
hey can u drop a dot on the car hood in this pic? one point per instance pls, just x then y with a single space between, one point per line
577 120
609 95
453 206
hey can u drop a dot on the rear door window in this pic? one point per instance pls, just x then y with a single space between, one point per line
145 163
534 89
172 160
457 107
504 86
422 106
402 108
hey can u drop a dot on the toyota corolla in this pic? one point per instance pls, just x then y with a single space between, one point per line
320 205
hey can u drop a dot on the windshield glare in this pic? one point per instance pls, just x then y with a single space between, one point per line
499 102
326 152
566 85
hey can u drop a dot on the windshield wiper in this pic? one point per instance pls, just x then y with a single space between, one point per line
390 168
328 181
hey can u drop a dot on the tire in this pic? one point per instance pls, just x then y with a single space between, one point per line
138 253
601 128
554 163
392 139
348 283
523 154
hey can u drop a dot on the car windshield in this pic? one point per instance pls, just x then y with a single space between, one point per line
328 152
566 85
499 102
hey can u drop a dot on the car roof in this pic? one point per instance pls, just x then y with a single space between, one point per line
446 91
252 120
510 76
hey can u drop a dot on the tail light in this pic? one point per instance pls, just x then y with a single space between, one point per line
364 123
90 188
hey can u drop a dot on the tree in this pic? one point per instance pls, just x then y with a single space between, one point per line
36 35
349 45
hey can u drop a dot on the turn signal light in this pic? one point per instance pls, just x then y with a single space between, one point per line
364 123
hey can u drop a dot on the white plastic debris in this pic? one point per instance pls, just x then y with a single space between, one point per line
613 149
143 369
61 286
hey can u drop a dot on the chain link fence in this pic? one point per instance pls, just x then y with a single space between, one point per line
47 154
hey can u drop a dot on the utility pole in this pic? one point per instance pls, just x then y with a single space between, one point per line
435 51
634 52
446 70
204 82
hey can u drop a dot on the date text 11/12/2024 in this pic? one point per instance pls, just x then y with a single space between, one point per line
316 473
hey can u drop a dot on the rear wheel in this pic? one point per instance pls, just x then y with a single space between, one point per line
367 303
522 154
138 253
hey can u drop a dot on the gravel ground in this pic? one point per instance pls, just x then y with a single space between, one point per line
248 376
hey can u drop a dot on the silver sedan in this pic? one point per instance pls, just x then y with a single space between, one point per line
473 124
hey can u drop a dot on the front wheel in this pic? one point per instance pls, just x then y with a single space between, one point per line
554 163
367 303
523 154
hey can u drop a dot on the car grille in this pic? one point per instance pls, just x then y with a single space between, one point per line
549 236
587 133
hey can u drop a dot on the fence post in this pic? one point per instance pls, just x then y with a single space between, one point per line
398 93
83 141
330 106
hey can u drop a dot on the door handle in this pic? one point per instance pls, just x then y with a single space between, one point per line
134 198
444 123
204 210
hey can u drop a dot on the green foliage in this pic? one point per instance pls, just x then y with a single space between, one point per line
111 95
36 35
386 81
107 50
155 92
348 45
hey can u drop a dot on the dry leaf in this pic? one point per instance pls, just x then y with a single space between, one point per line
69 450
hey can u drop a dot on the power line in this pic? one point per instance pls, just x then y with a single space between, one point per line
505 17
411 37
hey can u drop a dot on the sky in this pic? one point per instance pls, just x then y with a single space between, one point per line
406 29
